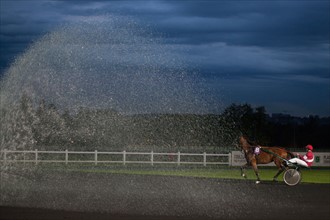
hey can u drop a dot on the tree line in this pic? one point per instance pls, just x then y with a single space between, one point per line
47 127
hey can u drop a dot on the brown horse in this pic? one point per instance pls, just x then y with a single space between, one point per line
266 155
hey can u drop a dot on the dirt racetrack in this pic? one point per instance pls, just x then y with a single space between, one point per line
74 195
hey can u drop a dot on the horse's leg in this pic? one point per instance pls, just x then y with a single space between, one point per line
243 170
280 167
255 168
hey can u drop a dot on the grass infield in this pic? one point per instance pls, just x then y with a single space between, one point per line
313 175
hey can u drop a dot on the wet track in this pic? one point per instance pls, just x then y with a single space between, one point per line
115 196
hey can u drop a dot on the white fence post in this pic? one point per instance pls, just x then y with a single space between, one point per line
152 158
124 157
24 158
95 157
36 156
204 159
66 156
230 159
179 158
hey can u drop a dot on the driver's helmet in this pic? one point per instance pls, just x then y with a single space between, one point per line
309 147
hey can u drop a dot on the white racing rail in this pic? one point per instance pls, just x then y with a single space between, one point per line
122 157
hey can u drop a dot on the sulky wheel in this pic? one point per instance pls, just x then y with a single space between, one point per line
292 177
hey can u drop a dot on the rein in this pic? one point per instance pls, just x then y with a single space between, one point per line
270 152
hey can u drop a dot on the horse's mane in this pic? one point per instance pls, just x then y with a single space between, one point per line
252 143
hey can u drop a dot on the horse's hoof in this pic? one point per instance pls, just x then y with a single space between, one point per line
258 181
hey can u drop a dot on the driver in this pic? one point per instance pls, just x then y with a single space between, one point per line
305 160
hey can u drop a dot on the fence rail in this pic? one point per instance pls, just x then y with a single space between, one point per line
122 157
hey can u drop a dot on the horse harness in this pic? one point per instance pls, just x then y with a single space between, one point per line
255 150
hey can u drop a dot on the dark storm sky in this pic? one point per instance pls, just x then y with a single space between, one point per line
264 53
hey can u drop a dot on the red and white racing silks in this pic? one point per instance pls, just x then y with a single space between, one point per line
308 158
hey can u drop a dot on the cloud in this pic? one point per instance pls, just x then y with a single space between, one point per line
255 41
300 96
244 60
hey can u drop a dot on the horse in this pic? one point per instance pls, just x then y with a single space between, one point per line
267 155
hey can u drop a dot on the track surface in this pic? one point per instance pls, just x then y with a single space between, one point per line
115 196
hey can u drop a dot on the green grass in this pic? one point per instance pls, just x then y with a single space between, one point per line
314 175
308 175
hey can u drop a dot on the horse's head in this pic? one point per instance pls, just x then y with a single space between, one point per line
243 143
